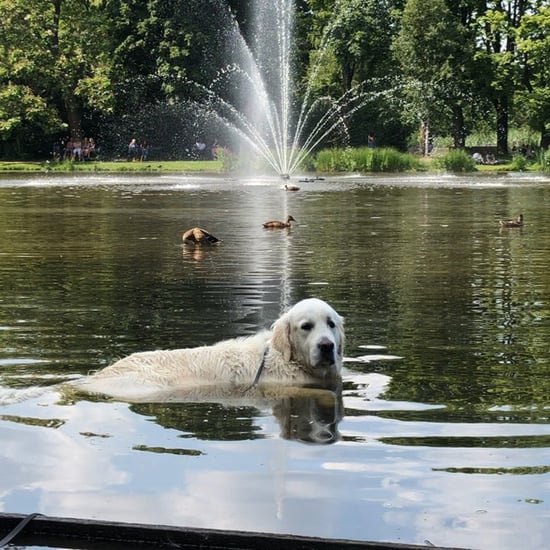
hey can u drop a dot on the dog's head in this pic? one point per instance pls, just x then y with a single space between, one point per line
311 333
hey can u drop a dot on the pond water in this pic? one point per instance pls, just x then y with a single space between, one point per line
444 434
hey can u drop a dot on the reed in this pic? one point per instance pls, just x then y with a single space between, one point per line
543 160
456 160
364 159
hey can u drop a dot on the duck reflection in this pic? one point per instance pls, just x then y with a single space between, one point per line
195 253
307 414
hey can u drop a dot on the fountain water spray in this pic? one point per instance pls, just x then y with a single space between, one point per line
265 116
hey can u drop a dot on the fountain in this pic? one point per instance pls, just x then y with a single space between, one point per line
265 114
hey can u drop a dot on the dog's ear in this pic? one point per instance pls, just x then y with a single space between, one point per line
340 333
280 338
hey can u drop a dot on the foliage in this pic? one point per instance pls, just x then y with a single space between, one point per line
456 160
21 110
364 159
96 66
499 76
435 51
171 130
360 40
25 108
534 51
544 160
334 160
55 64
519 163
353 39
227 159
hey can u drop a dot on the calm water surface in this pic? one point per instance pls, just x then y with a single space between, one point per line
444 434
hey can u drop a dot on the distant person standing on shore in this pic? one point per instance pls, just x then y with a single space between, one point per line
133 150
144 150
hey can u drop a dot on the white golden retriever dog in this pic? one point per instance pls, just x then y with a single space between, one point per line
305 345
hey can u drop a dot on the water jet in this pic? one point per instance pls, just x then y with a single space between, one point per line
254 94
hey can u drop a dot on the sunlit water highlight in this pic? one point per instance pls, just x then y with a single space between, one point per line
444 434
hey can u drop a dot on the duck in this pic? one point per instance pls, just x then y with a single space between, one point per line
516 222
291 188
196 235
276 224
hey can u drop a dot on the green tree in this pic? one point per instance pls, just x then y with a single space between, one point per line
26 109
533 46
81 60
148 51
165 54
497 26
435 52
55 64
353 39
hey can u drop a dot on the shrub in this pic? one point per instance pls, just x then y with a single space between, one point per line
364 159
334 160
519 163
226 157
456 160
543 160
386 159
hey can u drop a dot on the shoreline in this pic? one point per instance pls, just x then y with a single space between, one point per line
116 167
194 167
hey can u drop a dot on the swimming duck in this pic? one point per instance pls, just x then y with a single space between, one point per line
291 187
276 224
196 235
517 222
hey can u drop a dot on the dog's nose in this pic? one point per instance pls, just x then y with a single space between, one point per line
326 347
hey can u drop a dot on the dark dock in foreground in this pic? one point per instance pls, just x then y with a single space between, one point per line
83 534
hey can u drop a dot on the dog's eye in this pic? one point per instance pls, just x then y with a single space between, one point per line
331 323
307 326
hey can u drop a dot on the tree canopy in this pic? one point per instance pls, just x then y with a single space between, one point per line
116 68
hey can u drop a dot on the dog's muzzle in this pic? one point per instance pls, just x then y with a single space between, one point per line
326 352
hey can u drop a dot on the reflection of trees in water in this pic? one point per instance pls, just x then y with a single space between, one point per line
463 304
491 442
469 391
304 414
209 421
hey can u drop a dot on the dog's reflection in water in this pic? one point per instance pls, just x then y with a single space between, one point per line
306 414
310 418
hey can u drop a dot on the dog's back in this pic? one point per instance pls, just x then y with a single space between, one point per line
132 378
304 345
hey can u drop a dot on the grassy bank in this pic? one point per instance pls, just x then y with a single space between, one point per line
113 166
333 161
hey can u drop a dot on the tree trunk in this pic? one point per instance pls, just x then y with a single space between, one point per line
348 70
73 118
501 106
459 132
423 136
544 139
